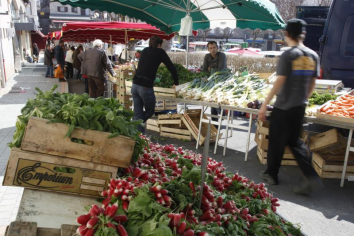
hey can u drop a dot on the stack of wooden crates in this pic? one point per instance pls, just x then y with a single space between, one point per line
122 96
182 126
82 164
261 138
329 150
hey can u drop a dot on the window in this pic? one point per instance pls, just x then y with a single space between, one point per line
62 9
347 39
74 9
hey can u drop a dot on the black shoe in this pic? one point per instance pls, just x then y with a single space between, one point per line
269 179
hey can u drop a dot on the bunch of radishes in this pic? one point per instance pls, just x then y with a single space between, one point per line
180 226
101 217
161 195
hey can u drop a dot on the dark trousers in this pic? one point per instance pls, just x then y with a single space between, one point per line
49 71
69 70
79 76
284 130
143 98
86 85
96 87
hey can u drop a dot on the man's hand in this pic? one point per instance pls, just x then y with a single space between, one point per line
262 112
114 75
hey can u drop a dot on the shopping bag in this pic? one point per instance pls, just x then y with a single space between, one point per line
85 76
58 73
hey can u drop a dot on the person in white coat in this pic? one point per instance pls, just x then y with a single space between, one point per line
69 62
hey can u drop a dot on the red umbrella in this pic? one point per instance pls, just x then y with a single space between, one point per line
110 31
244 52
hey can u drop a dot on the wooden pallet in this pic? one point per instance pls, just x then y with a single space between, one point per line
288 159
23 228
49 139
152 124
58 174
329 142
330 167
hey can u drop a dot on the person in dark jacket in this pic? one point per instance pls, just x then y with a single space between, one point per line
95 62
77 63
48 61
142 87
35 52
59 54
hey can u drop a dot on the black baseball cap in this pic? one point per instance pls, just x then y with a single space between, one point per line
296 26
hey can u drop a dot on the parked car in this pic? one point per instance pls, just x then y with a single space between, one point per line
173 49
337 43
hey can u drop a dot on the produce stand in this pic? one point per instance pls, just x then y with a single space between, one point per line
309 120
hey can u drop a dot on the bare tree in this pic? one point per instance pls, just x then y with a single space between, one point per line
218 32
257 33
288 8
227 33
324 2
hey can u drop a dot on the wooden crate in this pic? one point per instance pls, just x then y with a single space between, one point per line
331 117
159 91
24 228
288 159
49 139
162 105
152 124
328 142
54 173
330 167
191 119
172 126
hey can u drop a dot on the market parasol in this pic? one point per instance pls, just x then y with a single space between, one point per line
56 34
167 15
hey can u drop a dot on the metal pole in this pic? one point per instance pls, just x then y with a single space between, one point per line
248 137
2 65
126 44
204 162
346 158
186 57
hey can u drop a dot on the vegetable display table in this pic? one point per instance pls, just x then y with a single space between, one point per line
309 120
50 209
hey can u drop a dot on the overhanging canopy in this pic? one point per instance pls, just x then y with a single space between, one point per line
110 31
167 14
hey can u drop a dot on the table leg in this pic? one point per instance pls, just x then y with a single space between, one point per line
248 137
346 158
232 122
200 124
218 133
226 131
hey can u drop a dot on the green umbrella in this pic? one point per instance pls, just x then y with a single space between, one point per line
167 14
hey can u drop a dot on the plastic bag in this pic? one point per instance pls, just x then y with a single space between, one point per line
58 72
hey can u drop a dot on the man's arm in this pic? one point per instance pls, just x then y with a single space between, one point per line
276 87
167 61
107 64
205 63
222 61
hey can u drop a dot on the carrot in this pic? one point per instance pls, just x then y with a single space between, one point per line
326 107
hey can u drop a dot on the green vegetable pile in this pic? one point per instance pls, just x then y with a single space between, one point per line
320 99
76 110
184 76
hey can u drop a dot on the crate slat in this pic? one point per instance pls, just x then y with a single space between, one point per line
331 166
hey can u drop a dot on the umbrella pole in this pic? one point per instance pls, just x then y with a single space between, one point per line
186 57
126 44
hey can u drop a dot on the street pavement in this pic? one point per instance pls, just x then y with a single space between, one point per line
13 97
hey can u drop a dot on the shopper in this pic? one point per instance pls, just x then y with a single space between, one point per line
296 73
142 88
77 63
48 61
214 61
110 53
59 55
95 62
69 62
35 52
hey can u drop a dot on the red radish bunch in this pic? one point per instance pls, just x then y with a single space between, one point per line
92 221
161 195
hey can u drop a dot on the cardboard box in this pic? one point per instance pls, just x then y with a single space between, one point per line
54 173
49 139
